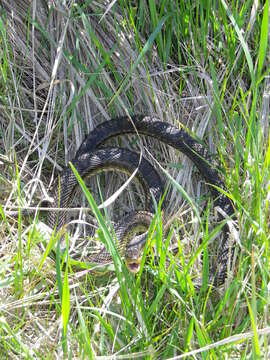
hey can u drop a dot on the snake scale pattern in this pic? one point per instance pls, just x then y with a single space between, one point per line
91 159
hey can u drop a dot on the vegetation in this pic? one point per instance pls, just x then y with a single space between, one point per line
66 67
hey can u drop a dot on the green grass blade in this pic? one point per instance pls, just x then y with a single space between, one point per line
242 41
58 270
49 247
123 276
256 343
263 38
19 255
182 192
65 307
189 334
108 239
84 332
145 49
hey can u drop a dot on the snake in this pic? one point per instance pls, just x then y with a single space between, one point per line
91 157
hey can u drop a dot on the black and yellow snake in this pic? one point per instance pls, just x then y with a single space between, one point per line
89 160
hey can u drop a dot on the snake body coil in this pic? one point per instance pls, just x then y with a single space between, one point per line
164 132
92 162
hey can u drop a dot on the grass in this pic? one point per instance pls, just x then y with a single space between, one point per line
66 68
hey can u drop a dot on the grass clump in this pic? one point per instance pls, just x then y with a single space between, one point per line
66 67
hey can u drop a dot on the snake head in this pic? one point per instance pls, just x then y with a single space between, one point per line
134 250
133 259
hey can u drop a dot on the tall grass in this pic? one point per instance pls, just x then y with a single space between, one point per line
66 67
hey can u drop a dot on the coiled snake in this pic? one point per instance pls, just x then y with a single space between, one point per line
89 160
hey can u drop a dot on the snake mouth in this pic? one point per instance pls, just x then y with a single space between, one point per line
133 265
